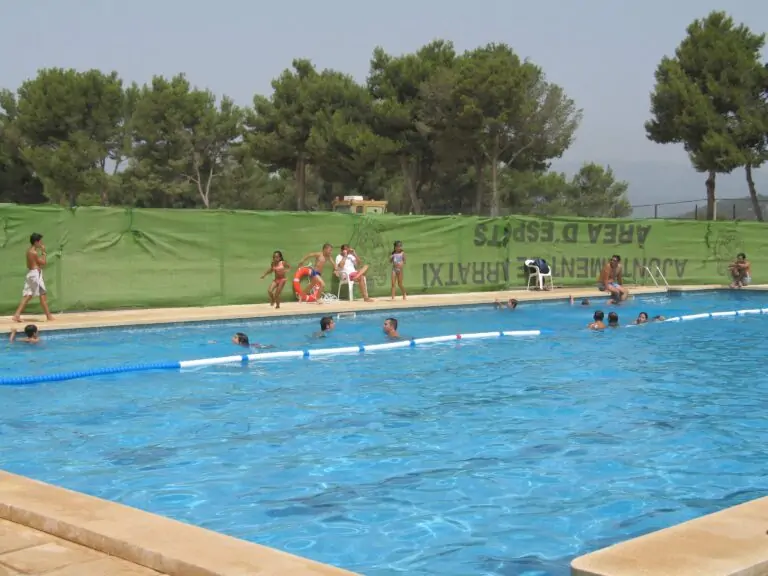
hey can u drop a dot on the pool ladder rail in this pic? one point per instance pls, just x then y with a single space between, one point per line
649 272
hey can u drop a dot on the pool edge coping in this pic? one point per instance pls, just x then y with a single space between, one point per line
731 542
143 538
159 317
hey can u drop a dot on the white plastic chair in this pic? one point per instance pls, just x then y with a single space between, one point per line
537 276
344 279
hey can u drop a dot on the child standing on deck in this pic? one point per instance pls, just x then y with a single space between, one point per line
279 267
398 263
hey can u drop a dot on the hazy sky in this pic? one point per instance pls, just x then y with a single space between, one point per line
603 52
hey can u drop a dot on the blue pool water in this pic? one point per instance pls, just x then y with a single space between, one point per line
497 457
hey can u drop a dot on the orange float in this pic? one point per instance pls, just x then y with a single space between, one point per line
301 273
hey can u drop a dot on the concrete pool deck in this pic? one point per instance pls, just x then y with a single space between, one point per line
47 530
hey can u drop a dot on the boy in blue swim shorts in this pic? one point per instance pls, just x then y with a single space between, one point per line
321 259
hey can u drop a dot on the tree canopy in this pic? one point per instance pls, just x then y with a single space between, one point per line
712 97
434 131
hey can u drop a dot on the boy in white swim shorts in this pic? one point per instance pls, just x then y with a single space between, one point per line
34 285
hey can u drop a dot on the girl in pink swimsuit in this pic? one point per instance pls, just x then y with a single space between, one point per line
279 267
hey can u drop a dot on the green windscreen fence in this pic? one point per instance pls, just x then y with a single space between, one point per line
102 258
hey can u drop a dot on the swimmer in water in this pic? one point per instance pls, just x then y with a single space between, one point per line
327 324
584 302
279 267
613 320
511 304
597 321
31 335
658 318
642 318
241 339
390 329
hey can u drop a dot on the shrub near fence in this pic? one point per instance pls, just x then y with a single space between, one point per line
103 258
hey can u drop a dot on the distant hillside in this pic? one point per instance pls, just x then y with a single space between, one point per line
659 183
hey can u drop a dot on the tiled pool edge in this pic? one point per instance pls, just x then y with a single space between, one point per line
142 538
732 542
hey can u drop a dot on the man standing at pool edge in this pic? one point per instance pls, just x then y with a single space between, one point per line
34 286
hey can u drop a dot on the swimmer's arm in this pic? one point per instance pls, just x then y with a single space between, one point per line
12 337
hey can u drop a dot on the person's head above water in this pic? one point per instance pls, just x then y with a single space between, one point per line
241 339
327 323
642 318
390 326
512 303
30 331
613 319
585 302
598 316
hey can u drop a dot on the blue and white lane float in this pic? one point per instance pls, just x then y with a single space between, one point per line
258 357
310 353
708 315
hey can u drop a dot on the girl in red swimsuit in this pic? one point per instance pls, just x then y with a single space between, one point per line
279 267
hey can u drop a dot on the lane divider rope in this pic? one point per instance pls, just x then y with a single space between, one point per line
710 315
258 357
311 353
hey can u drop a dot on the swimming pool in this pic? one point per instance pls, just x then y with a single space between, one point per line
506 456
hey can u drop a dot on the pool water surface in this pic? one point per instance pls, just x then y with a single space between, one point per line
498 457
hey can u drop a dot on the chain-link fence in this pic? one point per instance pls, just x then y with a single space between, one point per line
727 209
